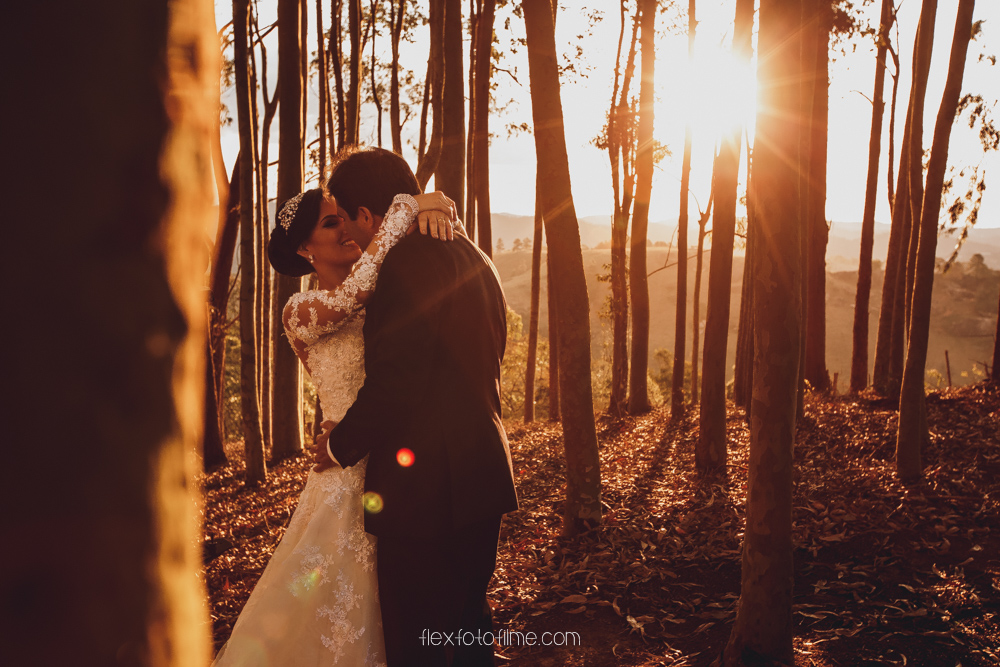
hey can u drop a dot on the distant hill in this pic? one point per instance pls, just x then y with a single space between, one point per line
963 320
841 253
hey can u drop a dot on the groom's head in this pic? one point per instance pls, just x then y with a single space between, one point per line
364 182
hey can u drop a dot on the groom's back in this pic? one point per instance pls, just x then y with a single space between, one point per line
453 425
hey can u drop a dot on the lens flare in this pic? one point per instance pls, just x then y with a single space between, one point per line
372 502
405 457
307 582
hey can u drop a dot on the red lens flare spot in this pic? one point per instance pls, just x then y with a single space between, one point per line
404 457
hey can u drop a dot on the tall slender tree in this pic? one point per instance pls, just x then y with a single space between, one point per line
583 479
336 63
253 439
912 430
536 286
481 144
677 407
287 399
555 408
762 631
429 151
859 352
449 177
703 219
638 395
352 105
817 232
710 451
620 140
323 86
396 17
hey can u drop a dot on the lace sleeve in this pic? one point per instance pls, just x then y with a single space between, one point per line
309 315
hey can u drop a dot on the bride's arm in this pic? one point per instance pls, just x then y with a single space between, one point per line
314 314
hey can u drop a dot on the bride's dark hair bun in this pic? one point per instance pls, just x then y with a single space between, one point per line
296 220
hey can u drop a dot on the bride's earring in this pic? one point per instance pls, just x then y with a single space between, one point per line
312 258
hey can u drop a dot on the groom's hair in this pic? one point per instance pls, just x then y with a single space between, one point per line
369 177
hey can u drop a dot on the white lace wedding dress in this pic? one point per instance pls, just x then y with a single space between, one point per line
317 601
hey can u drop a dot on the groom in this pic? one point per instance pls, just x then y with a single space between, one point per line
428 416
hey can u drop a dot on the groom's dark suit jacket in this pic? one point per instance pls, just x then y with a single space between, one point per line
435 332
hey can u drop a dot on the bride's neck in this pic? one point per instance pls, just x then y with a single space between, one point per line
330 277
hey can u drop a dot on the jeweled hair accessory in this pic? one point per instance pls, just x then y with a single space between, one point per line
287 214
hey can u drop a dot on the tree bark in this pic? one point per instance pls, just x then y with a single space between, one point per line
352 105
583 480
859 353
107 570
710 451
818 231
696 305
396 17
638 394
762 632
894 262
536 287
621 150
677 403
324 91
481 159
551 298
429 159
912 431
336 59
253 439
743 371
449 177
287 392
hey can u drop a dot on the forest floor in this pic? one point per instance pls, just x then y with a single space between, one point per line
885 573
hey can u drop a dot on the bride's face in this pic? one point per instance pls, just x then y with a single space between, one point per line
329 243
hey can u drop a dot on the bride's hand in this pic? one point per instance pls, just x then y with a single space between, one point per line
321 458
437 215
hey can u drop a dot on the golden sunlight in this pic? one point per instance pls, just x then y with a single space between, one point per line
715 91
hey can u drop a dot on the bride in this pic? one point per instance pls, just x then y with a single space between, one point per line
317 601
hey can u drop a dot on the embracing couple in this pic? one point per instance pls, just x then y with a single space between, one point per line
393 543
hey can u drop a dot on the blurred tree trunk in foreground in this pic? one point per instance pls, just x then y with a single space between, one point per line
912 432
859 353
583 479
111 483
480 180
286 421
762 631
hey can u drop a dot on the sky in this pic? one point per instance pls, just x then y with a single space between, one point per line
684 90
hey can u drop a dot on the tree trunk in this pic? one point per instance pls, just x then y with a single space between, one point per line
818 231
859 353
551 296
324 91
621 151
912 430
743 371
470 136
536 287
638 394
449 177
583 480
287 391
710 451
696 305
762 632
253 439
895 260
352 104
396 17
218 302
429 159
337 62
481 161
677 404
106 519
